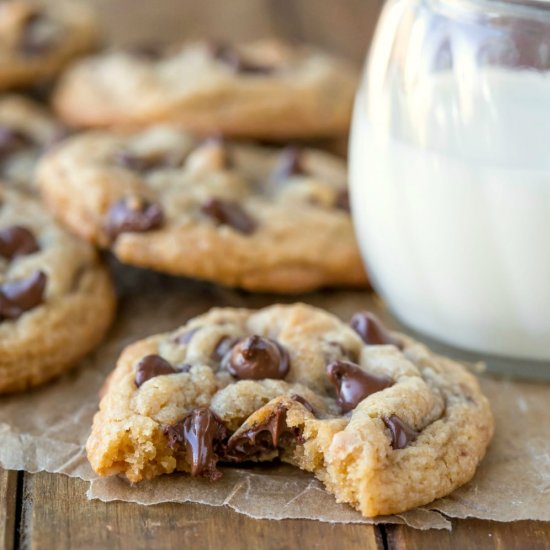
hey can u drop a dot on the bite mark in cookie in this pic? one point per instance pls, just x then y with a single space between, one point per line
393 437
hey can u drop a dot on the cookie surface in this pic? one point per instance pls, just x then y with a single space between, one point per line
56 299
262 90
163 200
26 130
38 38
385 424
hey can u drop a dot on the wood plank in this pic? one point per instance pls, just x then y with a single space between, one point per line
473 534
58 515
8 506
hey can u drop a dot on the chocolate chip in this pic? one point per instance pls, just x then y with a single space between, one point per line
151 366
144 163
12 141
372 331
354 384
230 57
39 35
133 216
289 164
146 52
187 336
401 433
342 200
223 347
303 401
256 358
17 241
201 433
17 297
260 439
229 213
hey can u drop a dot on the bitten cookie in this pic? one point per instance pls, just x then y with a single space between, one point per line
26 130
384 423
38 38
56 300
264 89
245 216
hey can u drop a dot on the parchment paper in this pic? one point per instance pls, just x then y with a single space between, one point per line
47 428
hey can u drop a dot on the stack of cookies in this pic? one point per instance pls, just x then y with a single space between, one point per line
192 160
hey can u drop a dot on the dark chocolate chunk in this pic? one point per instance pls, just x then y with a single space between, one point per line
401 433
17 241
223 347
304 402
372 331
289 164
151 366
354 384
256 358
187 336
342 200
260 439
201 433
229 213
230 57
133 216
146 52
144 163
39 35
17 297
12 141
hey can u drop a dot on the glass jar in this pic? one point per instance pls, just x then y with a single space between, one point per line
450 171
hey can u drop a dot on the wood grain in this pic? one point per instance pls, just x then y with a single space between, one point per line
8 504
473 534
60 516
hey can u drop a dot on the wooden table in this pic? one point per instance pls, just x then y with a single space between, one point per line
46 511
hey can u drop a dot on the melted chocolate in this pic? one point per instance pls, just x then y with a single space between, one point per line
201 434
354 384
17 297
150 367
17 241
401 433
372 331
125 217
260 439
229 213
256 358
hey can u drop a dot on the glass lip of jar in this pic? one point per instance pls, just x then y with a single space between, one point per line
527 8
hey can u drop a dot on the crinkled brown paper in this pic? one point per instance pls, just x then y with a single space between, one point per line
47 429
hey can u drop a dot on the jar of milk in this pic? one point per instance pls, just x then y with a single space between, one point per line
450 171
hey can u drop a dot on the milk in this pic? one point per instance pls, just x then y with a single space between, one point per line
452 210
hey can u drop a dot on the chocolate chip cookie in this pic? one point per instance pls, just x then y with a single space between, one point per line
264 89
258 218
384 423
38 38
26 130
56 299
